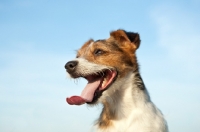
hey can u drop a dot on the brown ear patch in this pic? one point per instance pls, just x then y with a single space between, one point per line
120 36
123 36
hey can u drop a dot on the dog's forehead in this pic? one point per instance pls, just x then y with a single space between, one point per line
99 42
102 44
94 44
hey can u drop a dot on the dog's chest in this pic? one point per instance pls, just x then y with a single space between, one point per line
130 124
139 120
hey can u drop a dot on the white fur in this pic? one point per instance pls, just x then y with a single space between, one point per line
134 110
136 113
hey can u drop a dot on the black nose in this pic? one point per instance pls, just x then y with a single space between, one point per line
71 65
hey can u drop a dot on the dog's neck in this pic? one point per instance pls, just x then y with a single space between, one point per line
123 100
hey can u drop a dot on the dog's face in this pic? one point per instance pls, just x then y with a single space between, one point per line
103 63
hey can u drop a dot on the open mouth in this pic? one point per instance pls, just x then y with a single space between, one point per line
97 83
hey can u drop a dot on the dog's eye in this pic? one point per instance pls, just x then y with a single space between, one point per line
98 52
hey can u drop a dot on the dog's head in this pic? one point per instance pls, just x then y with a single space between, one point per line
103 63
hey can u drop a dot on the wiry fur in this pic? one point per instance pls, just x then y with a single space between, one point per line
130 108
127 106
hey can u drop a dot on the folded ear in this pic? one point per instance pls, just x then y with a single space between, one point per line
122 36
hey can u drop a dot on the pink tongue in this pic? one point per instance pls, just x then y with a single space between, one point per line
86 95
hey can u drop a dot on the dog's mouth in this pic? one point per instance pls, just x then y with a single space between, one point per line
97 83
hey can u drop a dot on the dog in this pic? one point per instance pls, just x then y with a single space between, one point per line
110 66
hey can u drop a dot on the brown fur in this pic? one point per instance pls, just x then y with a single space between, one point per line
118 49
106 117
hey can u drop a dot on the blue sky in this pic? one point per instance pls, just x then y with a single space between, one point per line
38 37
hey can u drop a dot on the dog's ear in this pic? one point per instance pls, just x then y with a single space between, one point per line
122 37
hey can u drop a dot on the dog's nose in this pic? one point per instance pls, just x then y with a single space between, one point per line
70 65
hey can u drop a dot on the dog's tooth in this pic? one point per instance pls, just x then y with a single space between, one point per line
104 81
